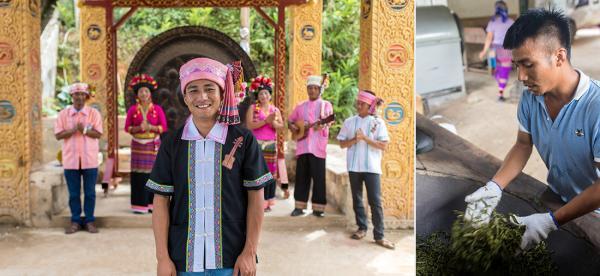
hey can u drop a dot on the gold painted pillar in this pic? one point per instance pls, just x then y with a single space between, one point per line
386 68
305 49
93 66
20 103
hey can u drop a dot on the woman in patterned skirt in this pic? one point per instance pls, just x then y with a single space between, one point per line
145 122
263 118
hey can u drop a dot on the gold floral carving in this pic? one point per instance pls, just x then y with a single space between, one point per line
386 67
280 94
305 54
93 56
6 53
194 3
20 86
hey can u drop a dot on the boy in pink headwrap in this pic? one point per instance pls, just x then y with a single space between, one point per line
366 137
208 181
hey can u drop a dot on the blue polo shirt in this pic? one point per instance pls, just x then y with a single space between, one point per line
569 145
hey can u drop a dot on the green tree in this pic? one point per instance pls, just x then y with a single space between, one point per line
340 57
68 55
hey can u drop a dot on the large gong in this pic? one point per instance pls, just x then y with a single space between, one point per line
163 55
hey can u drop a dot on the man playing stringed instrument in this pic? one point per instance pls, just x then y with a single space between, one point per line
311 150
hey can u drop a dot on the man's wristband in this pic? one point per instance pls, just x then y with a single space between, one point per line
554 219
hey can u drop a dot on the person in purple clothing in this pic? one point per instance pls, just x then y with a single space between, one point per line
496 30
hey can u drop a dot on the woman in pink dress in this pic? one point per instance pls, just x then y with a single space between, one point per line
263 118
145 122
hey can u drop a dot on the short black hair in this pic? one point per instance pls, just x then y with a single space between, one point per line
539 22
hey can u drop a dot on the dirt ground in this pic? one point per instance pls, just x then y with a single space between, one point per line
288 246
130 251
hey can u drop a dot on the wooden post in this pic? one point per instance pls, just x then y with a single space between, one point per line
20 105
386 68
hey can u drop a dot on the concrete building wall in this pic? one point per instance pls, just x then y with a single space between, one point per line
477 9
425 3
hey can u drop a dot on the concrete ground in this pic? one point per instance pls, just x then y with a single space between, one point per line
492 125
288 246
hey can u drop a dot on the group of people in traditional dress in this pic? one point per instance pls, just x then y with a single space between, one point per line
209 182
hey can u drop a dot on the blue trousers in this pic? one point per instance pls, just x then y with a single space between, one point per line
73 178
209 272
373 184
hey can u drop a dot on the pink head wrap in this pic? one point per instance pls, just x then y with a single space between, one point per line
79 87
222 75
369 99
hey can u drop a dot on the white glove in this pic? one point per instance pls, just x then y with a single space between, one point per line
537 228
481 203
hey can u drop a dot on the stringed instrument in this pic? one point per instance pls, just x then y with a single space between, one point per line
303 127
230 157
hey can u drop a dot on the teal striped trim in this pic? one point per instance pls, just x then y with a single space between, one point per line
159 187
189 245
259 181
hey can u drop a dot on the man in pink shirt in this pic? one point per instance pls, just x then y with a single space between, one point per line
311 151
80 126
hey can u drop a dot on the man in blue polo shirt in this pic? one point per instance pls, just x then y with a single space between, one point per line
559 113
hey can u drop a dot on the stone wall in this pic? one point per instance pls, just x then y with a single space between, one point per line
48 194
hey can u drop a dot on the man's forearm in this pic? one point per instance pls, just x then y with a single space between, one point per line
93 134
347 143
254 221
160 225
513 164
587 201
64 134
377 144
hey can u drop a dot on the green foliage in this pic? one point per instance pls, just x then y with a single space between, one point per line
340 57
62 98
68 55
493 249
262 37
66 14
342 94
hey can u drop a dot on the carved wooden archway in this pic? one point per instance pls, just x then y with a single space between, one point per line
162 56
99 62
386 67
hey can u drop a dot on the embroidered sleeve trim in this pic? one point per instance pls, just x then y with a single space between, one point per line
158 187
259 181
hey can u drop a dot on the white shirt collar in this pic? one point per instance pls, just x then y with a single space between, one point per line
583 85
218 132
